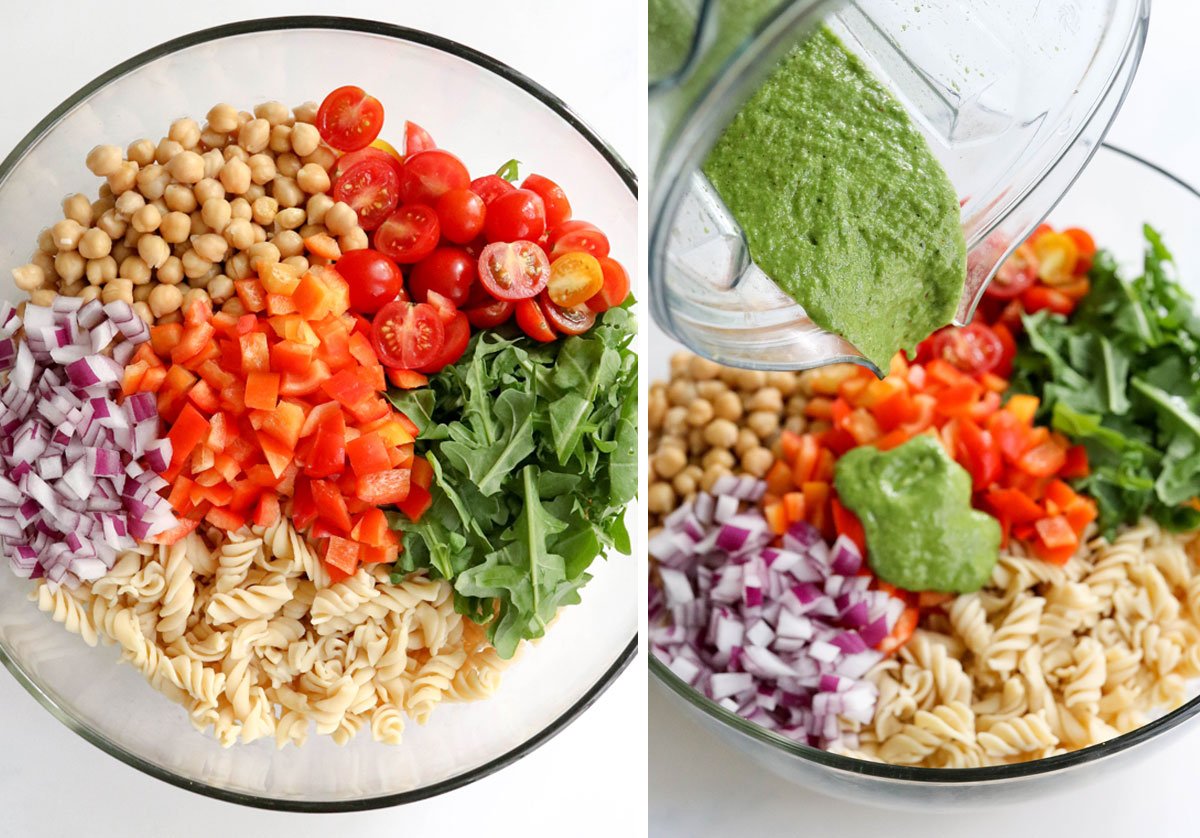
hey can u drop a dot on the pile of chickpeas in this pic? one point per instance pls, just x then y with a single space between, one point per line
184 218
709 421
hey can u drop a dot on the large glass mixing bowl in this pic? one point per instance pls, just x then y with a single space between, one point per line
487 113
1111 199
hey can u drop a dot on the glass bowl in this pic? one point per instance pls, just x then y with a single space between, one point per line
452 91
1111 199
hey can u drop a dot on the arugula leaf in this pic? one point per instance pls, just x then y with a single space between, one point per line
510 170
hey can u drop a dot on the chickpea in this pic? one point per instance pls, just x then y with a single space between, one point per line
175 227
721 433
141 293
288 242
194 265
784 382
121 251
288 164
89 293
234 306
240 208
133 269
142 310
119 290
193 296
185 131
171 271
290 219
324 156
675 421
46 262
71 289
746 440
669 461
240 233
763 422
235 176
45 241
78 208
199 228
67 234
697 445
275 113
210 246
281 139
300 263
214 161
656 410
263 255
262 168
131 238
231 152
42 297
207 189
681 392
103 160
768 398
211 139
306 112
223 118
717 456
100 271
757 461
202 280
154 250
146 219
263 210
710 389
141 152
152 181
312 178
660 499
699 413
702 369
680 362
340 219
238 266
29 277
220 288
796 405
95 244
684 485
103 205
166 151
164 299
316 208
254 191
312 230
305 139
356 239
216 213
711 475
254 135
728 406
288 194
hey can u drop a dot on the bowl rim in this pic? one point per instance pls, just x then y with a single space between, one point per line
914 776
507 73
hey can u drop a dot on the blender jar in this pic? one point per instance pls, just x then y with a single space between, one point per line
1013 97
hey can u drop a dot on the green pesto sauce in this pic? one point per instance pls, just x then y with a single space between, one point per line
842 202
915 506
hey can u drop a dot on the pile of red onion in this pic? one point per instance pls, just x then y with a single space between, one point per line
73 488
781 635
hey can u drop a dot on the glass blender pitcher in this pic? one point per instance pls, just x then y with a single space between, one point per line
1013 96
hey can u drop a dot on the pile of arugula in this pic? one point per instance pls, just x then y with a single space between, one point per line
1122 376
534 455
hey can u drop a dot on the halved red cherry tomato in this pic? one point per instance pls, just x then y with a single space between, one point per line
615 288
461 213
489 315
491 187
532 321
416 139
973 349
577 235
457 335
573 320
574 279
450 271
1016 274
513 270
409 234
349 119
444 307
1086 246
515 216
407 335
374 279
428 175
558 208
371 187
371 152
1040 297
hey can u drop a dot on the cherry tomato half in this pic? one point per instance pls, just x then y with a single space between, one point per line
377 150
1015 275
450 271
491 187
558 208
416 139
461 213
570 320
1057 255
371 188
457 336
577 235
488 315
532 321
513 270
973 349
615 288
428 175
407 335
409 234
574 279
349 119
1040 297
374 279
515 216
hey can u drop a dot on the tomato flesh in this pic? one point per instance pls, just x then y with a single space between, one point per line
409 234
574 279
519 215
974 349
1016 274
532 320
615 288
577 235
407 335
572 320
450 271
513 270
457 336
374 279
428 175
349 119
371 188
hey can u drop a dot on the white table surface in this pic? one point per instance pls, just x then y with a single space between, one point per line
589 780
700 787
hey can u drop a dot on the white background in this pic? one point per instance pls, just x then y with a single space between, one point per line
699 787
589 780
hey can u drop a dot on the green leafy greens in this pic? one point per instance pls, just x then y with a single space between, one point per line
534 453
1121 376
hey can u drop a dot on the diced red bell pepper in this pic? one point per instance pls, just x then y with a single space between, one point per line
166 337
194 339
225 519
419 500
407 379
188 431
284 423
328 453
347 388
1076 465
203 397
368 454
262 390
255 354
278 454
290 356
372 528
252 294
362 351
304 384
422 473
384 487
174 534
266 510
331 506
304 508
905 625
846 523
342 554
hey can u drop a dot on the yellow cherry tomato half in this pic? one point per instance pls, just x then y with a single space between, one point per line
387 148
1056 254
574 279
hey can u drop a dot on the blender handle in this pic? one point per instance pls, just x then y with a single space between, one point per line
704 22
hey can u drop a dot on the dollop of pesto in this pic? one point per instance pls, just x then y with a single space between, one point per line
915 506
842 202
